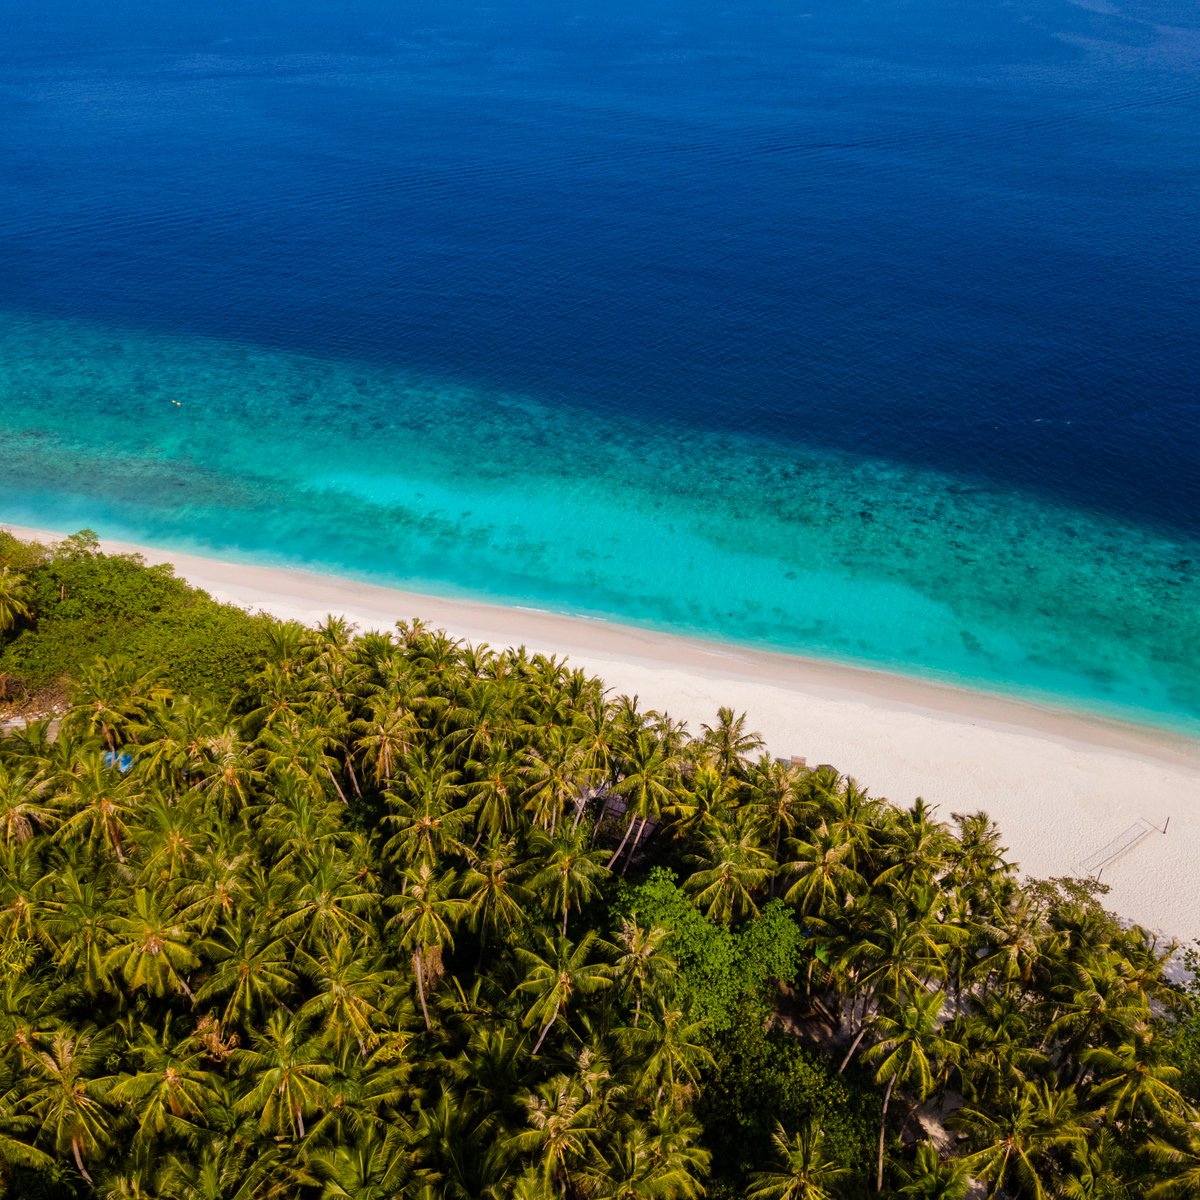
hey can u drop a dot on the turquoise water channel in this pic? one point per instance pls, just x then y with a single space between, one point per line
196 443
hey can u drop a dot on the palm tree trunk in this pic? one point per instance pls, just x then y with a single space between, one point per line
421 988
853 1046
79 1160
353 776
882 1132
628 831
333 780
545 1030
633 848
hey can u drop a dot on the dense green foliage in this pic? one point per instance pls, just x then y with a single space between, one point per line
408 918
91 605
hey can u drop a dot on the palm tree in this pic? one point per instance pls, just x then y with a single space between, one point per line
642 966
23 809
377 1165
804 1169
495 790
1180 1154
734 867
287 1076
325 900
635 1166
231 1168
555 974
151 949
14 599
351 990
918 847
561 1130
170 1092
387 736
571 875
427 827
774 803
78 926
901 1054
649 769
705 803
62 1093
557 776
495 898
730 743
932 1177
100 804
671 1050
228 773
254 973
110 699
1020 1135
426 911
824 872
1133 1081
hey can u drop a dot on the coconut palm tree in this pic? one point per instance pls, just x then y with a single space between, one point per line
642 966
169 1090
15 595
555 974
570 875
286 1074
150 949
62 1092
99 805
426 911
932 1177
904 1035
823 867
730 742
1023 1137
733 869
557 776
1132 1080
649 770
24 808
671 1051
351 990
635 1166
110 699
254 972
562 1126
1179 1154
804 1170
377 1165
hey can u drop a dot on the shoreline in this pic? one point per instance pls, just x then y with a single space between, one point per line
1060 784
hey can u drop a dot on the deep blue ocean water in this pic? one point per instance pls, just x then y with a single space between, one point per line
860 328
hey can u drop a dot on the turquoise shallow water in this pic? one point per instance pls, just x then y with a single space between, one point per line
389 476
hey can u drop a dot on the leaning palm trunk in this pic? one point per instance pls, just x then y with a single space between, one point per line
421 987
79 1160
853 1046
633 848
545 1030
628 831
338 786
882 1132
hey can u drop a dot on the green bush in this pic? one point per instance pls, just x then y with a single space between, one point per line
86 603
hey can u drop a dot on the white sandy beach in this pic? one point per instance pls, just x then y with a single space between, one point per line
1061 786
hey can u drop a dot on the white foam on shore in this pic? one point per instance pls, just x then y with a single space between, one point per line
1061 785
